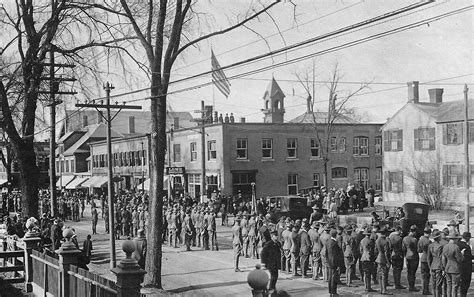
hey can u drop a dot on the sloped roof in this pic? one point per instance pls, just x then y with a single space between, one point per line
94 131
321 117
451 111
272 89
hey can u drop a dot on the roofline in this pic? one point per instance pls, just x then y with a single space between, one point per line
404 106
147 135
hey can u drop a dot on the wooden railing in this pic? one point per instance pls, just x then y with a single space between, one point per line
58 275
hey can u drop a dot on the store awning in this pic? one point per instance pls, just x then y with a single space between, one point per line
100 183
76 183
88 183
64 180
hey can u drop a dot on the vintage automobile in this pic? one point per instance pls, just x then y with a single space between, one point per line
415 214
294 207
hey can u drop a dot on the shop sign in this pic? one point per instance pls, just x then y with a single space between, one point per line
174 170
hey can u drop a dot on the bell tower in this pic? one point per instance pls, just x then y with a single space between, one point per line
273 103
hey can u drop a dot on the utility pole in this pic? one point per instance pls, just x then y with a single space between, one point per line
53 90
143 169
108 87
466 156
202 123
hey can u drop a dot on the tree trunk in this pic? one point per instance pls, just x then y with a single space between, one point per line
29 178
157 161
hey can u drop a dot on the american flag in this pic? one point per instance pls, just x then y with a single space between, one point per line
218 77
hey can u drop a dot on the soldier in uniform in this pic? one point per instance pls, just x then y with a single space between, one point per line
188 230
237 242
287 245
435 252
335 262
349 244
204 230
315 249
325 236
366 248
382 249
410 251
305 249
252 225
172 227
423 244
245 234
397 256
452 259
199 221
295 249
211 228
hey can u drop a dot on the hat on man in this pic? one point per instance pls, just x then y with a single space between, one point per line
453 235
413 228
452 223
274 232
427 230
435 234
367 231
466 235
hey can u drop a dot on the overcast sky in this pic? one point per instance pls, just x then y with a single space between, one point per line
440 53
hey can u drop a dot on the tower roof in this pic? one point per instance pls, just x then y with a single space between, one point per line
273 88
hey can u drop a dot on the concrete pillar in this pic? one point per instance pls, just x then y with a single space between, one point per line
68 254
31 241
129 274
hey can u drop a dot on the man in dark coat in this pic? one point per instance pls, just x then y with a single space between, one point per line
395 239
271 257
466 265
305 249
139 253
452 259
423 245
335 260
435 253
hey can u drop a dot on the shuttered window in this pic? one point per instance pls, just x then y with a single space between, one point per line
424 139
393 181
452 133
453 176
393 140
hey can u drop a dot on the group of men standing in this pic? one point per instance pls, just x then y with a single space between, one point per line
444 257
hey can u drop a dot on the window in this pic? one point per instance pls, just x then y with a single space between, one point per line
425 183
193 149
360 146
339 172
67 165
453 176
424 139
333 144
242 148
471 132
72 166
291 147
393 181
452 133
144 156
378 145
292 184
315 151
211 150
177 152
342 145
267 150
137 158
361 177
316 179
378 178
393 140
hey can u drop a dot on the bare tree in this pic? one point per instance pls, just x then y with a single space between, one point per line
337 108
427 179
30 30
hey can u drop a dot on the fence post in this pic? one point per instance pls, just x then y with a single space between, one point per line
31 241
68 254
129 274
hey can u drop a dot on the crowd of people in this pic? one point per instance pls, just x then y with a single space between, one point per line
365 253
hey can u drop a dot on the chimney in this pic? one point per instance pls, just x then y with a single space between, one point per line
131 124
436 95
242 120
231 118
413 94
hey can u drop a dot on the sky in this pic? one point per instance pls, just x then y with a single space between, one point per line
438 54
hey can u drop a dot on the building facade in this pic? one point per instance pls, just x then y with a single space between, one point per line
423 150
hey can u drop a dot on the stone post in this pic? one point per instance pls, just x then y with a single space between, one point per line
68 254
129 274
258 280
31 241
